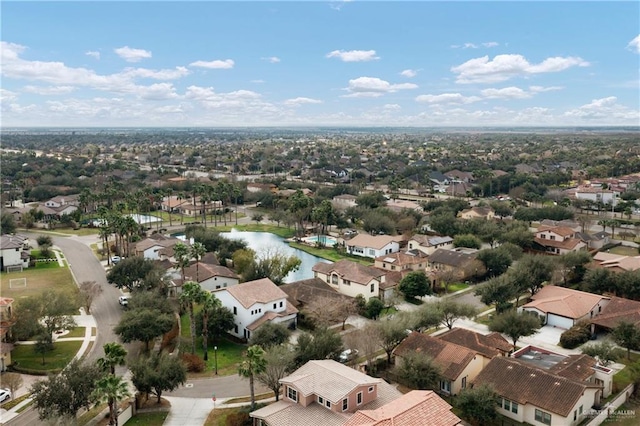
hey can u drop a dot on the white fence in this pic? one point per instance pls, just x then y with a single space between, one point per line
610 408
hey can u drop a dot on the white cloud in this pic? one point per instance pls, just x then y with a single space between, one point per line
301 101
504 67
272 59
470 46
93 53
354 55
491 44
540 89
392 107
217 64
337 4
374 87
604 109
474 45
447 98
166 74
409 73
634 45
130 54
505 93
51 90
257 81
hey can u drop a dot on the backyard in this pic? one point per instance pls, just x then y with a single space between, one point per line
38 279
27 360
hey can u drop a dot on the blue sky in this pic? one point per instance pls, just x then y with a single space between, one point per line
320 63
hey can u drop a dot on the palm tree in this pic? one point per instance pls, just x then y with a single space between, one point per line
197 251
111 389
169 193
181 196
209 302
182 255
253 364
191 293
114 354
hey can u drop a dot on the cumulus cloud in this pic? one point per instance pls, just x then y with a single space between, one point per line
354 55
392 107
272 59
603 108
409 73
505 93
634 45
217 64
130 54
474 45
51 90
504 67
93 53
301 101
491 44
374 87
447 98
166 74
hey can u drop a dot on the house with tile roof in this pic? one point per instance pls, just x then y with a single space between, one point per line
14 251
344 201
616 262
211 277
254 303
373 246
6 321
477 213
156 247
351 278
532 394
488 345
617 310
427 244
410 260
415 408
458 365
461 262
327 393
303 292
557 240
564 307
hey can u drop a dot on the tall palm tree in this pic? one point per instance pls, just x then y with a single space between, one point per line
114 354
181 196
111 389
169 194
197 251
209 302
182 255
253 364
191 293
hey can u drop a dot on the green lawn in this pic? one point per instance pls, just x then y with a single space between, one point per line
148 419
76 332
457 287
24 357
38 279
388 311
624 251
330 253
79 231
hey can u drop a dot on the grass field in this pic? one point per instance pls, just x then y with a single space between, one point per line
624 251
331 254
24 356
38 280
76 332
148 419
457 287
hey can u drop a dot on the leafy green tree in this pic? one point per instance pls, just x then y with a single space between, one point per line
114 354
321 343
478 404
183 256
445 223
111 389
191 294
243 260
210 304
136 273
604 352
418 371
143 325
270 334
467 240
280 361
573 266
43 240
627 335
44 344
599 280
531 272
391 333
496 261
517 233
415 284
515 325
157 373
44 314
220 321
373 308
273 264
62 395
371 200
497 290
7 223
253 365
451 311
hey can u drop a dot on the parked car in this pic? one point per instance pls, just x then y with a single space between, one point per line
5 394
124 300
348 355
115 259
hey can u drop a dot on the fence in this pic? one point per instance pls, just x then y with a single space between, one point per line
611 407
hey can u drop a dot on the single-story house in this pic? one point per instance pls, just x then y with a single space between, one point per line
477 213
373 246
428 243
487 345
351 278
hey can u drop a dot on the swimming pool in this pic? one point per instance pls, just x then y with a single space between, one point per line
324 239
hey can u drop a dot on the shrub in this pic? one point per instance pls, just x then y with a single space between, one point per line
193 363
238 419
575 336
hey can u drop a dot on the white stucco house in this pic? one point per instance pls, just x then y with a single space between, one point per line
254 303
373 246
211 277
351 278
14 251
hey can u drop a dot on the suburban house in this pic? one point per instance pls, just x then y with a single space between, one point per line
400 205
563 307
198 206
457 175
258 187
594 241
344 201
350 278
477 213
487 345
440 181
417 407
304 292
597 195
6 320
617 310
373 246
14 251
427 244
255 302
533 392
173 203
558 240
156 247
412 260
327 393
62 201
617 262
460 263
211 277
458 365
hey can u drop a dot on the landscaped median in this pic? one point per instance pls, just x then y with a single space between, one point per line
27 361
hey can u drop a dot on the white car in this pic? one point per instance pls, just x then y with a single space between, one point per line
124 299
115 259
5 394
347 355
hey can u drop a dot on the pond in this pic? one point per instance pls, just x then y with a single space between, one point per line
260 241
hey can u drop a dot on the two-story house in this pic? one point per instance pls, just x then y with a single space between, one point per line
14 251
427 244
344 201
373 246
255 302
6 321
558 240
211 277
410 260
460 263
458 365
156 247
350 278
487 345
564 307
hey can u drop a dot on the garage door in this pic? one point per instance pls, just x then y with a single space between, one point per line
559 321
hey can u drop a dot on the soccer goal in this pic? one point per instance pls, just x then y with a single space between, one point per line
18 283
14 268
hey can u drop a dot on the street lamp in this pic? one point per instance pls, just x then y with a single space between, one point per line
215 356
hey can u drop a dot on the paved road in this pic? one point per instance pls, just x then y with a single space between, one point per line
223 387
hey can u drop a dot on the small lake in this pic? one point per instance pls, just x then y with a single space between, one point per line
260 241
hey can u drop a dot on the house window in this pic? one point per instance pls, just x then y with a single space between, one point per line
373 288
235 329
580 410
346 282
359 398
334 279
292 394
275 305
575 415
320 400
370 389
542 417
464 382
514 407
327 403
445 386
372 252
506 404
235 310
345 404
281 304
